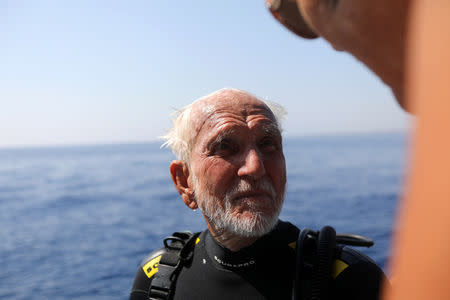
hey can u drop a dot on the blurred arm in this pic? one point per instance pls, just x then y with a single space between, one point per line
421 262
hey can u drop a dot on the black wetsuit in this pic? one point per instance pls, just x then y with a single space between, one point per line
264 270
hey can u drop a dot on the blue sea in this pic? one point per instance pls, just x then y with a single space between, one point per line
75 222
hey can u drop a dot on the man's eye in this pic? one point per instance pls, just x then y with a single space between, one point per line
224 148
268 144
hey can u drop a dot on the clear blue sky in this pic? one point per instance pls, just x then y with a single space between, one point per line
110 71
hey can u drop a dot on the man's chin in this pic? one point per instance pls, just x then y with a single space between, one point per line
250 225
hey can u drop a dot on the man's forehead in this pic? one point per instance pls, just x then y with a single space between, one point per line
232 104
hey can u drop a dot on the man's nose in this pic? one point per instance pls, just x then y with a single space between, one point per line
253 165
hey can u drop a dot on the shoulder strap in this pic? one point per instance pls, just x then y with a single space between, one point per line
179 250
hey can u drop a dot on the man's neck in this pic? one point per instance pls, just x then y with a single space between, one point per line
228 240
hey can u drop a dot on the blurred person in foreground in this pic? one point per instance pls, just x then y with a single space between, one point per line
231 166
407 44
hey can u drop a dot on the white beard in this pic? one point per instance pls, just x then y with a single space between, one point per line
257 224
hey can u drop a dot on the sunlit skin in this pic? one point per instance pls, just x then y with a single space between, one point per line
237 138
406 44
374 31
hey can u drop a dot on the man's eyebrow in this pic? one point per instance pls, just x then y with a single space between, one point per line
271 129
221 136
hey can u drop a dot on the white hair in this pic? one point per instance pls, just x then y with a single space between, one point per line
180 137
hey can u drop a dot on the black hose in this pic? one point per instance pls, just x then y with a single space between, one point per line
326 240
296 292
326 245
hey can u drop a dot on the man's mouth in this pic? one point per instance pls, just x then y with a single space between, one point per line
253 194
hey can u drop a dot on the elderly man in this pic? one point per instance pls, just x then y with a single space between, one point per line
231 165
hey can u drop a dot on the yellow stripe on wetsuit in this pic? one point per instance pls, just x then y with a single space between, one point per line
151 267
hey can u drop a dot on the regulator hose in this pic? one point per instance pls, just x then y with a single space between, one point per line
326 246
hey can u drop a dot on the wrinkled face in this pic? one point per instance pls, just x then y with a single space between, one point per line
238 166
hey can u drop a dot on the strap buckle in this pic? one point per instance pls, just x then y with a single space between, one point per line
161 286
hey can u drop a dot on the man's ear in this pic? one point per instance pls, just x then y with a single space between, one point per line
180 175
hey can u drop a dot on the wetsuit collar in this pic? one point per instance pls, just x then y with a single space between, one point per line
242 259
